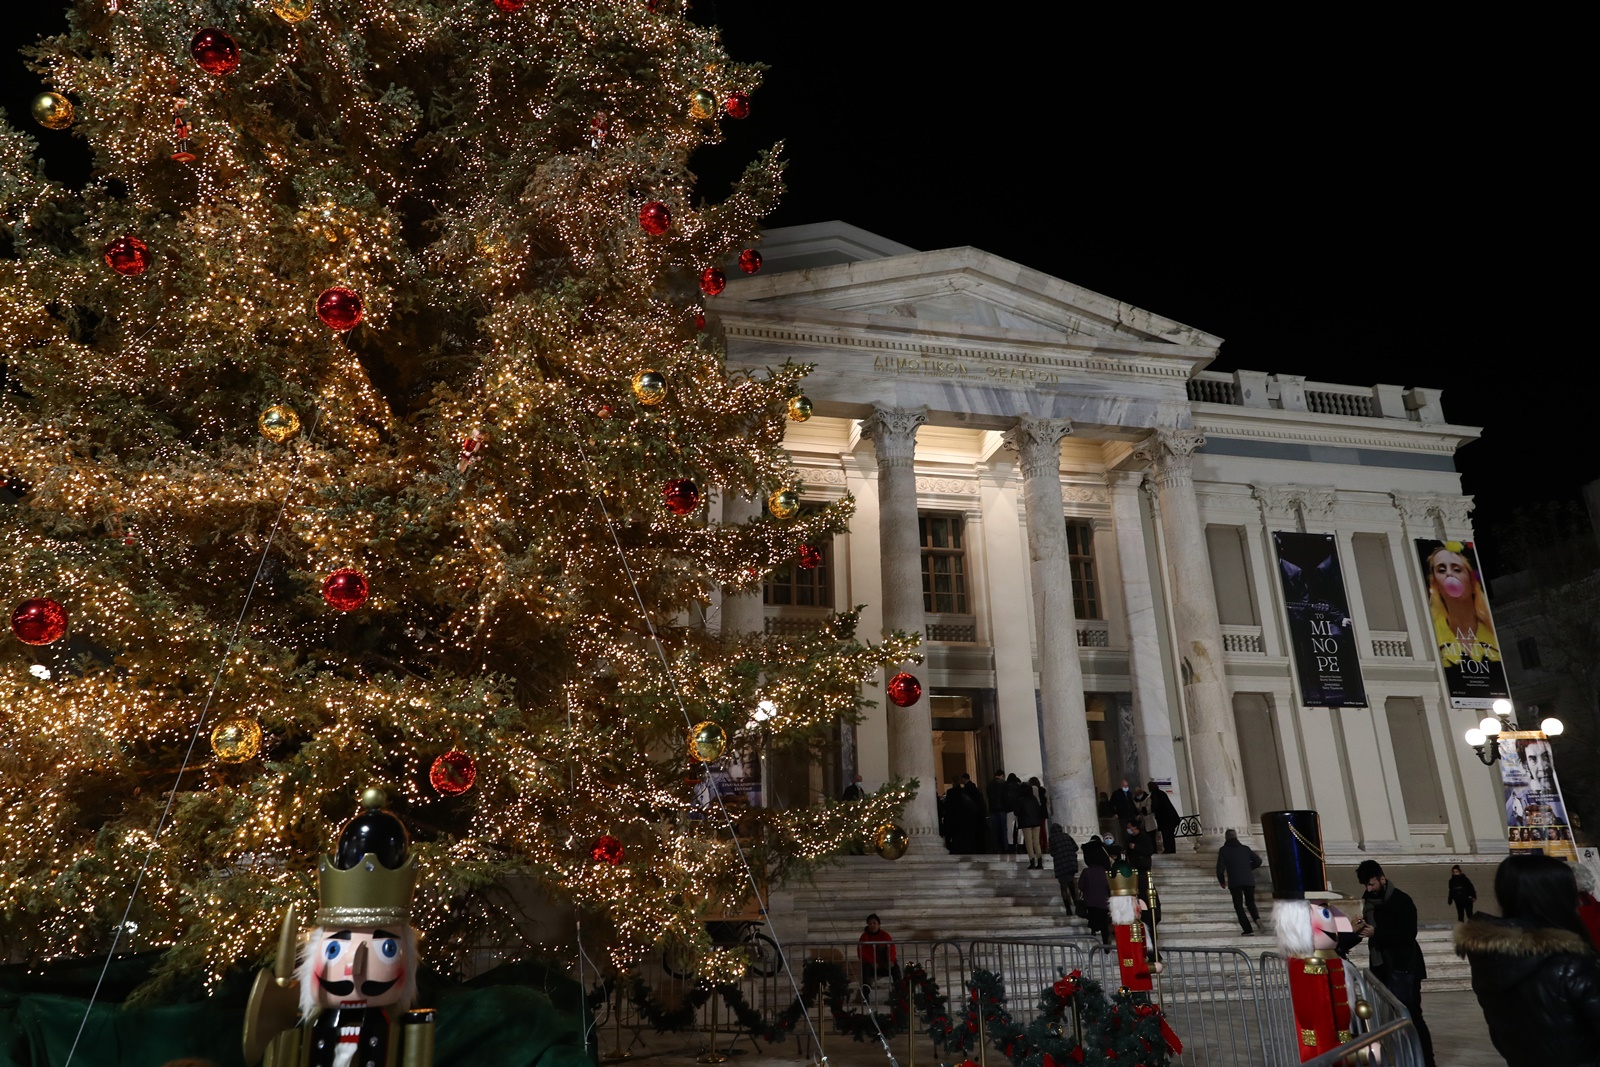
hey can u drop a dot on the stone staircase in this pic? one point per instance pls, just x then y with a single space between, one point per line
990 897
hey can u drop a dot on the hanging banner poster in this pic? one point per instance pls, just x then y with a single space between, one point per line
1319 621
1536 816
1463 629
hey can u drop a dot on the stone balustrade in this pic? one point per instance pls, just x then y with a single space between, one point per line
1291 392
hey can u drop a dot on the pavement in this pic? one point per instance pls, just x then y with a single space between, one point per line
1460 1039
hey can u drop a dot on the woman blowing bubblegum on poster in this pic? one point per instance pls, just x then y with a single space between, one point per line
1460 611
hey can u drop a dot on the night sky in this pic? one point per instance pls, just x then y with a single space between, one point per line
1355 202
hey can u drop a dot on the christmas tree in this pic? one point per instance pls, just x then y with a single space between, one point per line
362 425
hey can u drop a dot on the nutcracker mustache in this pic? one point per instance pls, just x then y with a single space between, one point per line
345 988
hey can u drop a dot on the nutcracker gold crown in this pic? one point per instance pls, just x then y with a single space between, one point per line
368 894
1124 882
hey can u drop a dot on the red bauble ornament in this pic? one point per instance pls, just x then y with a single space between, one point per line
607 849
713 281
510 7
737 106
655 219
681 496
214 51
904 690
39 621
452 774
749 261
346 589
128 256
340 308
810 557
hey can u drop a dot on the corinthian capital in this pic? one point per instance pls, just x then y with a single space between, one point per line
1170 455
893 433
1037 443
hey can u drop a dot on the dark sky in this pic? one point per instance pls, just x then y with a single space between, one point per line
1356 202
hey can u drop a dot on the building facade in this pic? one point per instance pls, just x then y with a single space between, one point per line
1078 517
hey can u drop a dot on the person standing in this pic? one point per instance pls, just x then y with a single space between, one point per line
997 810
1166 816
1030 816
1094 889
853 791
1064 861
1389 923
1535 972
1461 893
1236 872
1123 804
877 954
976 813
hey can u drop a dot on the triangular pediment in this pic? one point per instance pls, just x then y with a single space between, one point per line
965 288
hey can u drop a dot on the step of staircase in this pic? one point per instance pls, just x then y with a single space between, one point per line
966 898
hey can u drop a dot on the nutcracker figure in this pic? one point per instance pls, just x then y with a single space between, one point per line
1134 954
348 1002
1308 929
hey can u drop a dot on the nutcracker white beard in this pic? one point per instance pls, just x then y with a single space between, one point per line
388 983
1125 910
1291 923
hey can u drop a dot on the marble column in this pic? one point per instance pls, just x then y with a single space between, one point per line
1151 716
1063 721
742 613
893 433
1213 738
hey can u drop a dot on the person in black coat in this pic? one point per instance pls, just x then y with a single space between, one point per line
1124 805
1030 816
1389 923
1535 971
998 809
1462 894
1167 818
1064 860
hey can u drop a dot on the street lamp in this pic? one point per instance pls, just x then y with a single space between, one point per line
1484 737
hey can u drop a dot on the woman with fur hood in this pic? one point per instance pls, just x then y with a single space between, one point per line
1535 971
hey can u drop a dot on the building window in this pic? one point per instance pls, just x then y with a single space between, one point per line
792 585
944 569
1528 652
1080 557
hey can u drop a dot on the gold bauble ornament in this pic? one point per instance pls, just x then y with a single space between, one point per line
891 841
1363 1009
279 423
784 504
707 742
292 11
52 111
702 105
650 387
236 739
800 408
373 798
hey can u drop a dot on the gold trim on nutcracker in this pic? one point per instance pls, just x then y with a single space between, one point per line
1308 1038
1136 933
368 894
1344 1036
1315 967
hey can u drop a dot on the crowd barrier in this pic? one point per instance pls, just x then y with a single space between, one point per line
1229 1010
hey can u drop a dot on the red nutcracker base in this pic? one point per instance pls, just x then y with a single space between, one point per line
1321 1003
1131 957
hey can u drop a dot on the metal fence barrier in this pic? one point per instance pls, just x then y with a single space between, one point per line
1228 1010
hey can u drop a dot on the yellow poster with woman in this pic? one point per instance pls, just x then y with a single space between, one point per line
1463 629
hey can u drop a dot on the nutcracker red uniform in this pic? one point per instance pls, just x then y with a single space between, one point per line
1308 929
1133 943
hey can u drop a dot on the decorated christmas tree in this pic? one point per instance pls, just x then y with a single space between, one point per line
363 422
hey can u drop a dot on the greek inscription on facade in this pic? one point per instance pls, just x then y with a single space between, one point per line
950 368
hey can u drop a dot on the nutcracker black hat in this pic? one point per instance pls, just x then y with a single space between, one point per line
1294 853
370 879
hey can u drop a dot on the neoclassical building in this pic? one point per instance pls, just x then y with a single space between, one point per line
1079 519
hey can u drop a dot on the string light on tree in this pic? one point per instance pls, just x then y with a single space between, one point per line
39 621
214 51
346 589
